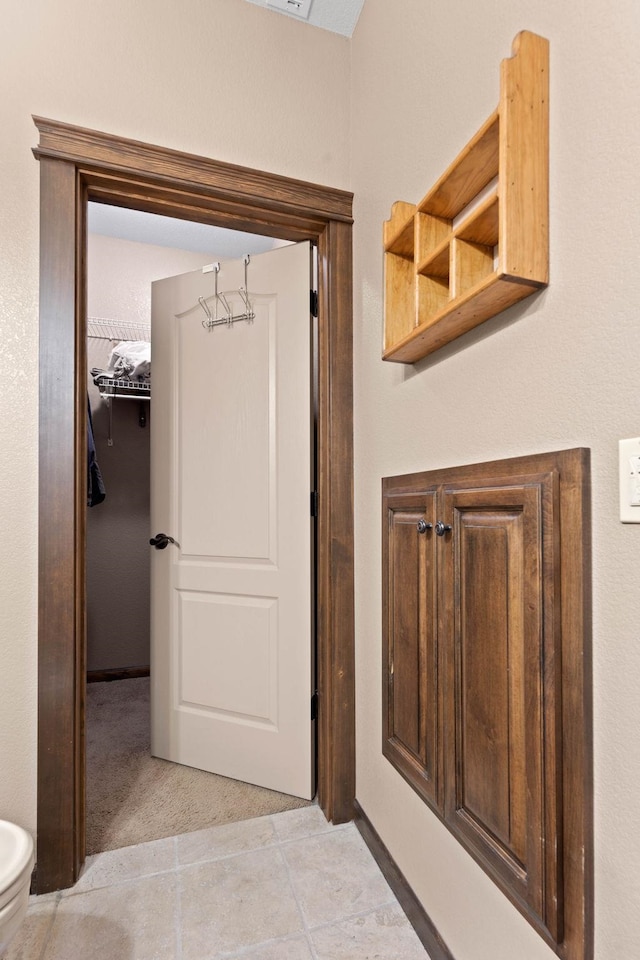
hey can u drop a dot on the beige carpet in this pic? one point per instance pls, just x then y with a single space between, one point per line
133 797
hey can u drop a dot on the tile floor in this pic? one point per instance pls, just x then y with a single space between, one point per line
283 887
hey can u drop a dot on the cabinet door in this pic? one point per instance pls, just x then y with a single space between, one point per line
501 635
411 711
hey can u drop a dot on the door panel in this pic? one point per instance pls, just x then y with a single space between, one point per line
411 709
231 468
501 771
491 731
233 413
215 632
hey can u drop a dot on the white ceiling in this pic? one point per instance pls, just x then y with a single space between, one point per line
339 16
160 231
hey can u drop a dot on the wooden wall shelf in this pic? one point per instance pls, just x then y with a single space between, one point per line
479 240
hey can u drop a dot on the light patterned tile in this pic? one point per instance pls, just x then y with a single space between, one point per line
128 863
237 899
334 876
304 822
385 934
236 902
295 948
225 840
32 935
129 921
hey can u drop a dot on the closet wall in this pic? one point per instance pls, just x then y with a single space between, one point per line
120 273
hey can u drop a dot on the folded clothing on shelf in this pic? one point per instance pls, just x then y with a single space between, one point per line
132 359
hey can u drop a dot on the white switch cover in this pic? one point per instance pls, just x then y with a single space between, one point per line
630 480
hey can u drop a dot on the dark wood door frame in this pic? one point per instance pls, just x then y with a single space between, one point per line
78 165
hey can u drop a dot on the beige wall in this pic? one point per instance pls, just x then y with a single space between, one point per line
119 275
198 75
559 371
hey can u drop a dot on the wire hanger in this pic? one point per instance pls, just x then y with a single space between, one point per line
219 300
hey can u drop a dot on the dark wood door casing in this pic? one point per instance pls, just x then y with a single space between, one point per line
510 647
77 165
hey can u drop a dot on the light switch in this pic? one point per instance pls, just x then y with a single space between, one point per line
629 452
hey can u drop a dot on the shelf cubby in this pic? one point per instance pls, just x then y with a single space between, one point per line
432 294
478 240
430 233
399 230
400 293
475 166
471 264
481 226
436 263
400 297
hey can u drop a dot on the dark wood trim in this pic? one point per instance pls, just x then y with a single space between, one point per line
61 578
178 202
79 165
577 711
336 662
416 914
93 151
117 673
80 687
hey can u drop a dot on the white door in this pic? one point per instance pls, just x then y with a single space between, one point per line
231 665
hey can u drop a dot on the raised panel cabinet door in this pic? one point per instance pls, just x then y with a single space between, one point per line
411 707
498 576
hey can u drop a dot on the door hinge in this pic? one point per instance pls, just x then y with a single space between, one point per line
314 503
314 303
314 706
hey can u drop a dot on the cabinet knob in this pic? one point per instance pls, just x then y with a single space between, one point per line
442 528
423 526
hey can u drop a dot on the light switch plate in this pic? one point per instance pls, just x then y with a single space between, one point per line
629 469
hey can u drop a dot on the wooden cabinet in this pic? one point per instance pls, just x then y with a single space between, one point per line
479 240
485 674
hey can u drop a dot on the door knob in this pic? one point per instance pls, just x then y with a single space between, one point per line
161 540
442 528
423 526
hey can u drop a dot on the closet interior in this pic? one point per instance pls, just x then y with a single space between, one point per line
132 797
